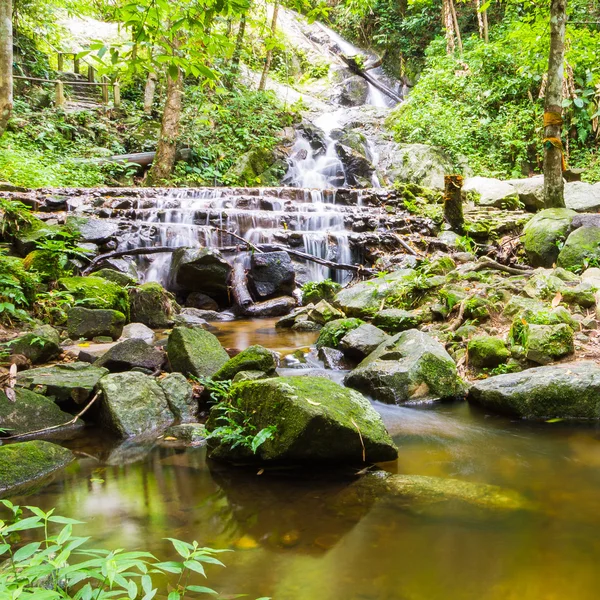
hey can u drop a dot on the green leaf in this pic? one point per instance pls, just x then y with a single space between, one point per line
201 589
173 72
132 589
193 565
65 534
174 596
147 584
65 521
26 551
23 524
183 549
578 102
169 566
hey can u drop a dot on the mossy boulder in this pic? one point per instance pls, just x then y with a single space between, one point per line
31 412
334 331
546 343
360 342
409 367
316 421
395 320
190 434
271 274
89 323
70 381
323 312
130 354
180 397
152 305
487 352
118 277
194 351
315 291
566 391
200 270
132 404
40 345
544 233
581 248
254 358
96 292
24 464
477 308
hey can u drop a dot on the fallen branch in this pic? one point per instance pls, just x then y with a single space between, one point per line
488 263
54 427
458 321
239 287
406 246
237 237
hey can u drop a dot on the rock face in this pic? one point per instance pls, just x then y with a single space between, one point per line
492 192
74 381
201 301
130 354
582 197
200 270
118 277
581 246
409 367
152 305
31 412
546 343
316 420
195 352
39 346
180 397
22 464
89 323
271 274
530 191
416 163
97 293
132 404
96 230
363 340
543 233
566 391
254 358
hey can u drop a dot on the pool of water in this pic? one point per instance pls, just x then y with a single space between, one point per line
292 541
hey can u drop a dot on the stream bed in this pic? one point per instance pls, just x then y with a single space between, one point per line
291 540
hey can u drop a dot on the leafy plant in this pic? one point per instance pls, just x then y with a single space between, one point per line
14 216
52 306
314 291
219 390
41 569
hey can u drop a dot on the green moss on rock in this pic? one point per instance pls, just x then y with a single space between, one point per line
544 232
152 305
194 351
254 358
89 323
334 331
95 292
487 352
581 249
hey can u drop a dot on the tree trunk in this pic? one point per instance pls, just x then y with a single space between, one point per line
269 58
453 210
6 63
486 36
448 23
149 91
553 151
237 51
479 18
456 28
169 132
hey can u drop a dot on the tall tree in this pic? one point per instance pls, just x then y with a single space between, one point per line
553 148
263 79
6 63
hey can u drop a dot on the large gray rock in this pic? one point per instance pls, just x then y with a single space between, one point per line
360 342
195 352
130 354
582 197
566 391
546 343
581 247
31 412
353 91
89 323
271 274
180 397
132 404
492 192
25 465
39 346
152 305
138 331
543 234
316 420
96 230
75 381
357 166
275 307
200 270
409 367
416 163
254 358
530 191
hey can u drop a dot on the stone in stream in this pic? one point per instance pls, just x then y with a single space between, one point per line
191 317
97 293
40 345
275 307
543 234
180 397
24 466
97 231
251 376
409 367
315 420
194 351
75 381
334 359
546 343
201 270
567 391
360 342
201 301
190 434
130 354
138 331
254 358
323 312
334 331
89 323
582 246
152 305
133 404
271 274
31 412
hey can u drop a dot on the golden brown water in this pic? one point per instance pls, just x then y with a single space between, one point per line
291 541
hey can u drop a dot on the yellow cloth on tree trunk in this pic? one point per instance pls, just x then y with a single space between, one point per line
552 118
557 143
